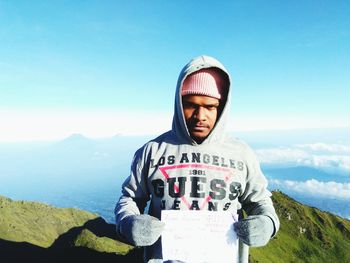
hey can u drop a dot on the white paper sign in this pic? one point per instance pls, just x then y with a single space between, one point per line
199 236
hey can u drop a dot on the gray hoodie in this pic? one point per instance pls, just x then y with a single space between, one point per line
174 172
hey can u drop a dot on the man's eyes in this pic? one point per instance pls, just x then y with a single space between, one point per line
212 107
197 107
189 106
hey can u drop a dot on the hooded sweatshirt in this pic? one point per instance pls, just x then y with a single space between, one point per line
173 171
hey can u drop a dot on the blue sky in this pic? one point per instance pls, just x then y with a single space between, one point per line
107 67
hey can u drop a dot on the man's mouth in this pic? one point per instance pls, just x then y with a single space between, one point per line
199 127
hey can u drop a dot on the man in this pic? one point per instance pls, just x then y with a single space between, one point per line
196 166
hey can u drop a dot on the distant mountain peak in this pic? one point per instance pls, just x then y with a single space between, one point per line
74 141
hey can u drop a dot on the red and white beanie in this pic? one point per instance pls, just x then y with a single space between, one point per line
206 82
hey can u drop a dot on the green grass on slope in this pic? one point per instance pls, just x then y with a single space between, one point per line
37 223
32 229
102 244
306 235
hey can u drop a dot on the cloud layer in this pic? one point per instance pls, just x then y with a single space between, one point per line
314 188
331 158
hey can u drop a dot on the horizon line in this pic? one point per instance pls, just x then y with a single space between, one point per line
111 136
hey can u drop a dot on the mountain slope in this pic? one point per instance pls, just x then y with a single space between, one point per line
306 235
37 223
37 232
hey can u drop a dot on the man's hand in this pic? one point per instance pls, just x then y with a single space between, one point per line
255 230
141 230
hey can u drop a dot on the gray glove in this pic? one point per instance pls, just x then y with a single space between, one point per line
255 230
141 230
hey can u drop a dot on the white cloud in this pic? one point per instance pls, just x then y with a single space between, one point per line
325 148
329 163
315 188
333 158
282 155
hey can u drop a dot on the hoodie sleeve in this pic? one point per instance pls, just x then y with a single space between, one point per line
135 194
256 198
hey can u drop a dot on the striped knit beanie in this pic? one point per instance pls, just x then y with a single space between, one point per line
206 82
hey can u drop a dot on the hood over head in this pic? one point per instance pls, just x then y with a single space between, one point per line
202 63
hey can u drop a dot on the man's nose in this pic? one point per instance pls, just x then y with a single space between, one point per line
200 114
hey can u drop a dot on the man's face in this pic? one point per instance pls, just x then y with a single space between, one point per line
200 114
